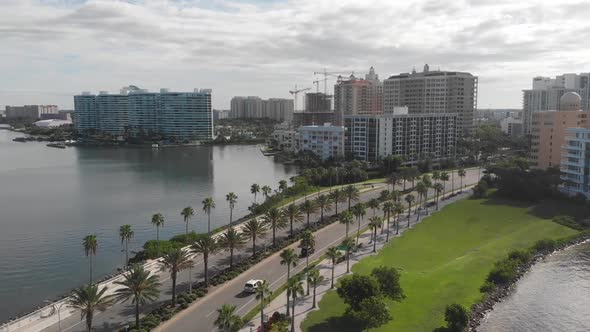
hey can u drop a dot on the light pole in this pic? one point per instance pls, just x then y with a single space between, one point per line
57 308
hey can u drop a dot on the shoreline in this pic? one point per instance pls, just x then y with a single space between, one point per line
482 309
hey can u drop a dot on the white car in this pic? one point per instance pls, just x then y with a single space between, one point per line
251 285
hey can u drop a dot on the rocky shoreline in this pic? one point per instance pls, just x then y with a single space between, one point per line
482 308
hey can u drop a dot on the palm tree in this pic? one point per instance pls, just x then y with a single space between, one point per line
187 213
174 262
294 214
266 190
410 199
444 177
314 278
276 220
359 212
384 195
126 234
348 244
336 196
388 209
346 219
375 222
333 254
231 199
392 180
208 205
373 204
436 176
283 186
308 207
461 172
307 242
262 291
254 189
422 191
230 240
254 229
90 245
398 210
395 195
289 258
88 299
351 193
323 202
438 189
158 221
140 287
295 289
227 319
205 245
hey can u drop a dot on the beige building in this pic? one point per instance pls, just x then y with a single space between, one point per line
549 130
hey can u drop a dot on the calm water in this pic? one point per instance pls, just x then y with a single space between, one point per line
51 198
553 296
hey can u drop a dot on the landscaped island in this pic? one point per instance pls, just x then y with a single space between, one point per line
446 258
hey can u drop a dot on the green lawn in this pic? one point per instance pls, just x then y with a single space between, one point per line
445 259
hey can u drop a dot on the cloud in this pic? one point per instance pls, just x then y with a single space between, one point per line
264 48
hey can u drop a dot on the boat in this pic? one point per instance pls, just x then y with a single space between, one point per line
20 139
60 145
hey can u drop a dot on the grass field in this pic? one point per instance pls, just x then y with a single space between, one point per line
445 260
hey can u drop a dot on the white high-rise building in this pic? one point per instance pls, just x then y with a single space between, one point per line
253 107
546 94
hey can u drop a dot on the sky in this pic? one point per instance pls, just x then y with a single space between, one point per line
53 49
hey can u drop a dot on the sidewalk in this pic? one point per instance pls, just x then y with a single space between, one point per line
303 305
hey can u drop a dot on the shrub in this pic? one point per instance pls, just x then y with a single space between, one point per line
503 272
487 287
545 245
521 256
456 317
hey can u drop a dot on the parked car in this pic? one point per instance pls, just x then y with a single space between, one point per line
251 285
304 252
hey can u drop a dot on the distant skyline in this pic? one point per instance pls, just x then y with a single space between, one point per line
53 49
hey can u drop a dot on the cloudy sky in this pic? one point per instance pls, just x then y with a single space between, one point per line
53 49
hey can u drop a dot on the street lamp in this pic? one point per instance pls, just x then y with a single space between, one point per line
57 308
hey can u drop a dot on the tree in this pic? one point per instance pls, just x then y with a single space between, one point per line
90 244
456 317
307 242
308 207
353 289
375 222
333 254
140 287
436 176
205 245
283 186
262 291
288 258
388 209
208 205
444 177
266 191
187 213
346 219
227 319
174 262
295 289
276 220
230 240
348 245
89 299
254 190
384 195
438 189
294 214
395 195
373 204
399 209
126 234
405 176
422 191
314 278
372 313
410 199
336 196
462 173
323 203
254 229
392 180
388 279
359 212
158 221
351 193
231 199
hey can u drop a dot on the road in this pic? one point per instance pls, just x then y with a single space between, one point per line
201 314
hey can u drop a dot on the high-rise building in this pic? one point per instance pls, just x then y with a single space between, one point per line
354 96
29 112
134 111
312 118
434 91
253 107
317 102
575 162
412 136
325 141
549 130
546 93
511 127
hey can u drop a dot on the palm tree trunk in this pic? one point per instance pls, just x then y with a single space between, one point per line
231 211
231 258
322 214
409 213
387 238
126 253
346 230
313 305
89 320
293 311
186 231
332 280
375 240
253 245
347 261
90 268
205 263
288 297
174 289
137 324
291 220
397 224
209 222
358 232
157 240
308 220
336 208
262 312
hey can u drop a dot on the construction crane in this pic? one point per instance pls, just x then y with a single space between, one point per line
330 73
295 92
317 86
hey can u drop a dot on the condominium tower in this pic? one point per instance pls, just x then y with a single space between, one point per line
434 92
253 107
355 96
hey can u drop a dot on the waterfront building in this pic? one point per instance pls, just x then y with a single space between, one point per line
575 162
434 92
549 129
318 102
354 96
326 141
311 118
29 112
135 112
411 136
511 127
546 93
285 139
253 107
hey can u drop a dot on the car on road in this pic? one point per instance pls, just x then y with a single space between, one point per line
251 285
305 251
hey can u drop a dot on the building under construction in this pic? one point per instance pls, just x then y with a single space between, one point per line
318 102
